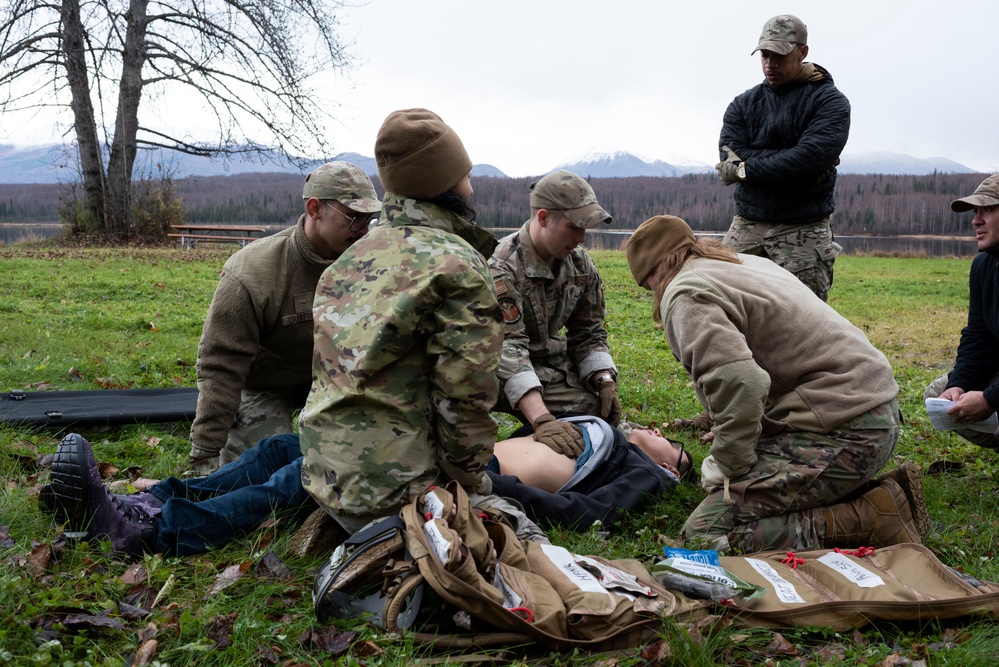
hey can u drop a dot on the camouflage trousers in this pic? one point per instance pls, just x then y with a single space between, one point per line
261 414
987 440
808 251
779 503
563 392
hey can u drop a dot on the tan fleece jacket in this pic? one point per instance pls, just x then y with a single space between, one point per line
766 355
258 332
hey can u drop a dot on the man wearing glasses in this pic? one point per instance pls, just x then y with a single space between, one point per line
255 356
556 360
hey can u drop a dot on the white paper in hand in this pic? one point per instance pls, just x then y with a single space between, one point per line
937 409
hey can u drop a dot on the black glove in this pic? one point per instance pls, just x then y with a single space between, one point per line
610 405
564 438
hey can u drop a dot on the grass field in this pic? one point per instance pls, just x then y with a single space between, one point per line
104 318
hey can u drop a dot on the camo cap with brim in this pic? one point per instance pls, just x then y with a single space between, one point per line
344 183
987 194
566 192
781 34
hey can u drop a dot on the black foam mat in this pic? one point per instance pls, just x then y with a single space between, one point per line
97 407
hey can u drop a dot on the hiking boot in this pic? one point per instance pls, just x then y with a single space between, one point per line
881 517
87 504
909 478
73 468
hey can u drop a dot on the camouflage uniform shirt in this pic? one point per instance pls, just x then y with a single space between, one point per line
554 321
407 341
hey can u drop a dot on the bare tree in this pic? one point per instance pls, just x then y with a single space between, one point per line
253 63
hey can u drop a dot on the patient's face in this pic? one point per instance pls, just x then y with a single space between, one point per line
660 450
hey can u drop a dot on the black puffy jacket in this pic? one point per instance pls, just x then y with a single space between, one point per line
790 138
978 353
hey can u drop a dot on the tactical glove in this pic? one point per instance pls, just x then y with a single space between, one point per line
733 169
610 405
201 462
564 438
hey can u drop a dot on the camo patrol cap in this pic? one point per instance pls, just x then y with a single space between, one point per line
566 192
987 194
781 33
346 184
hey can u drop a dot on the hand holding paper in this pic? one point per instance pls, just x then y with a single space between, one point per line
937 409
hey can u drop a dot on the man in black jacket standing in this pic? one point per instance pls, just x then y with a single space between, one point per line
780 144
974 382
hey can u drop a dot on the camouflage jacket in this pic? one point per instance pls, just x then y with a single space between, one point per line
551 319
407 342
258 332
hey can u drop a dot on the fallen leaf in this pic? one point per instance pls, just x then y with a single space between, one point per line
153 441
367 648
152 326
224 579
145 653
938 467
136 574
83 621
270 566
220 630
780 646
656 653
38 560
6 541
76 375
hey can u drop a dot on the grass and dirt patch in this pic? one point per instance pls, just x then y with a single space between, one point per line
106 318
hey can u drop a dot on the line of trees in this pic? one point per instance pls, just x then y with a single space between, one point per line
865 204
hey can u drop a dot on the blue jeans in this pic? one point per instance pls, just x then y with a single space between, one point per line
204 513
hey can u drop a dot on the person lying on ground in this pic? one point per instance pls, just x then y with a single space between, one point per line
180 517
620 470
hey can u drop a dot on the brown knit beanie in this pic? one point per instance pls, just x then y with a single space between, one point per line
418 155
653 240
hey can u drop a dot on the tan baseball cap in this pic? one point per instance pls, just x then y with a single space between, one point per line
987 194
345 183
566 192
781 34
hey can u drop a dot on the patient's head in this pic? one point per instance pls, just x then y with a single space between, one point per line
661 450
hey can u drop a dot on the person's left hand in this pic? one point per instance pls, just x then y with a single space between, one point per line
733 169
610 405
971 407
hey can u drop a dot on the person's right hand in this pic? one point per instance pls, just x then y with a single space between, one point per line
201 462
563 438
952 394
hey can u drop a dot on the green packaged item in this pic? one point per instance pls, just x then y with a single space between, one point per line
703 580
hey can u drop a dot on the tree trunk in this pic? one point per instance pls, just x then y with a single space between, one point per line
91 165
124 146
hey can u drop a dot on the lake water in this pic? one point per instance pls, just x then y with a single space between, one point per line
931 246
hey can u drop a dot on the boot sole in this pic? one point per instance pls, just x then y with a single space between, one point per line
911 481
67 499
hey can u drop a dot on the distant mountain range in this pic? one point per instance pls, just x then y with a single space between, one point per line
54 163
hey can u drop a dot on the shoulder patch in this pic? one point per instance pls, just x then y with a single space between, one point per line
501 287
511 311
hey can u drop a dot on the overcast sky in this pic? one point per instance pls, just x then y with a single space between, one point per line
532 84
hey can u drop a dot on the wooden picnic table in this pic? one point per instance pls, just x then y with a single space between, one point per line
192 234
